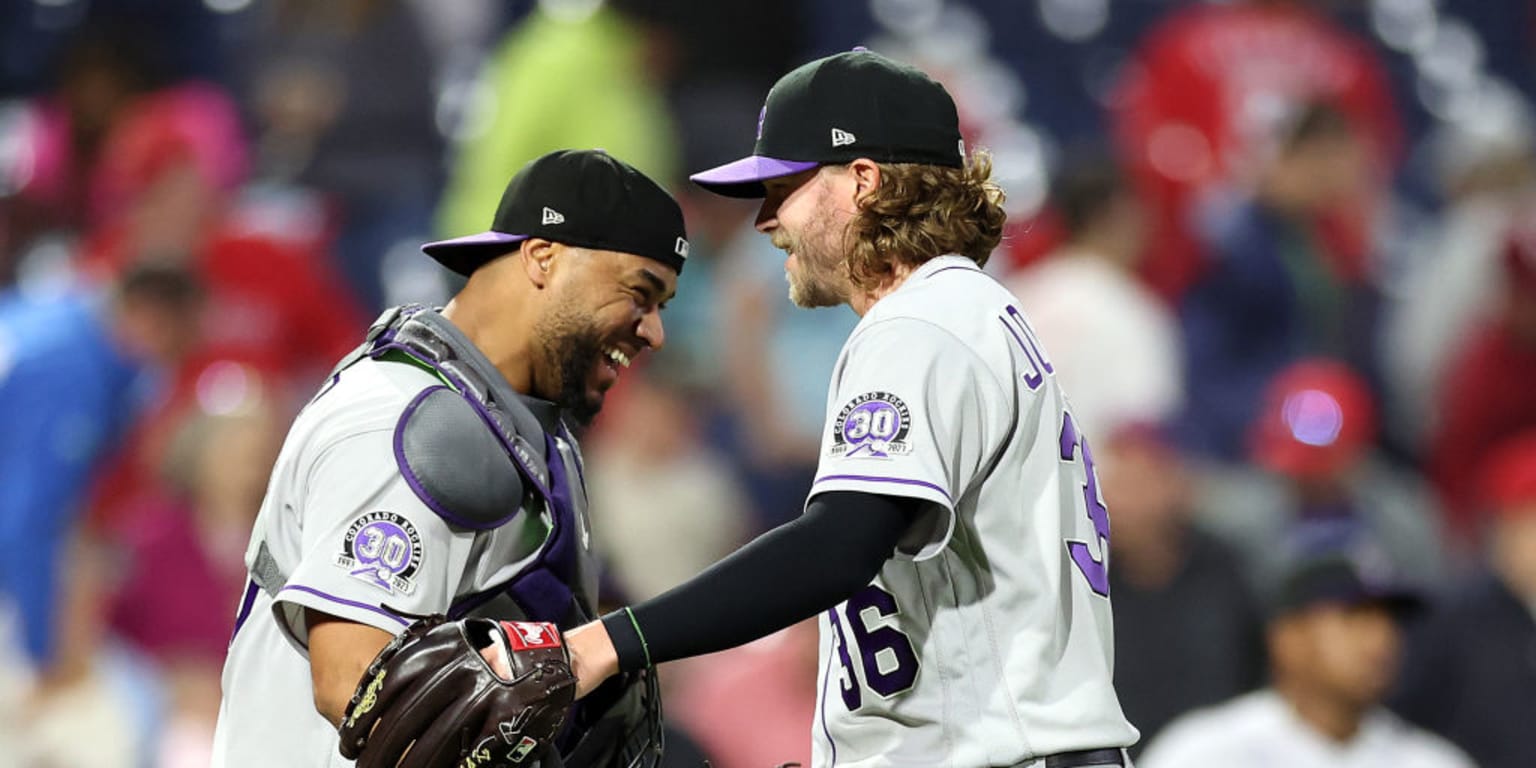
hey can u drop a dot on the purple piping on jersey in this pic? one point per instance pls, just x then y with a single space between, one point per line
245 608
946 269
415 482
827 677
344 601
868 478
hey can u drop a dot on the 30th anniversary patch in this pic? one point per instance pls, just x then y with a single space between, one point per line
383 549
873 425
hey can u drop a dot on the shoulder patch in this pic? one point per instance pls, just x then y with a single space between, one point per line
873 425
454 463
383 549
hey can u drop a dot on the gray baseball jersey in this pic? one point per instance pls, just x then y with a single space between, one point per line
988 639
350 537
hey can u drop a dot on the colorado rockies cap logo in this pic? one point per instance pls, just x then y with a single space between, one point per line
382 549
873 425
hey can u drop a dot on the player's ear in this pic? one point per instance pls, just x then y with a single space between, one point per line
538 258
866 177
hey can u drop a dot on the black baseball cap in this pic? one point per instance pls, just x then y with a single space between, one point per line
841 108
1337 578
583 198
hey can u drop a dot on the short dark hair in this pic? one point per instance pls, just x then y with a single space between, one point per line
1314 121
1084 189
159 284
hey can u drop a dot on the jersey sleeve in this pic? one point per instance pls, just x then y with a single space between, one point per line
913 412
371 551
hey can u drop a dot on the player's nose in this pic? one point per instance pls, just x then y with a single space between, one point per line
768 216
651 330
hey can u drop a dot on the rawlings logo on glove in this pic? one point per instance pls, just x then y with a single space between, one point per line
440 687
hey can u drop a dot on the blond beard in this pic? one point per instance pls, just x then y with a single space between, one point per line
817 282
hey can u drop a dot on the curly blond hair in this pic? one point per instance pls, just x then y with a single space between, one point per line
920 212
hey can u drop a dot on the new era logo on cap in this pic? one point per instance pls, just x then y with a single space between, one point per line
681 248
552 216
842 138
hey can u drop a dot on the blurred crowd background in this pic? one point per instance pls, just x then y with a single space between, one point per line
1280 251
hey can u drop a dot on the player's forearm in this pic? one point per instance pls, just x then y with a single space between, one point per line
785 576
339 653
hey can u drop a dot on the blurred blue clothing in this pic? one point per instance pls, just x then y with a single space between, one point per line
68 393
1266 301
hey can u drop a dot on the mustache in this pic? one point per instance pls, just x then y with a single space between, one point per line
782 241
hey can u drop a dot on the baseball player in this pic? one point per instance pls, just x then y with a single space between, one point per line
435 475
954 544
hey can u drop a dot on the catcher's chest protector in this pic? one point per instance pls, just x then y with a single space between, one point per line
475 453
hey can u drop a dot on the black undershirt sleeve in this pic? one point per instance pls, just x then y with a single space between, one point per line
788 574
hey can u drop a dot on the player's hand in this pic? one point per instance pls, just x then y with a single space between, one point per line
593 658
494 693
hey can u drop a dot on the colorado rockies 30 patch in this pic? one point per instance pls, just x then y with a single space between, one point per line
383 549
873 425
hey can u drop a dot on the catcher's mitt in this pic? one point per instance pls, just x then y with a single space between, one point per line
430 691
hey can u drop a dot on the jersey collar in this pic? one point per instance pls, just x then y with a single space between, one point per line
942 263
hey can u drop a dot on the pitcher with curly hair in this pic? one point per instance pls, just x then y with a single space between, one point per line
955 544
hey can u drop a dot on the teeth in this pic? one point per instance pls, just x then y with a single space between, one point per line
618 357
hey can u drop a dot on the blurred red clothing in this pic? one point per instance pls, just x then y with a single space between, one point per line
1203 97
1489 397
172 597
275 318
753 706
269 304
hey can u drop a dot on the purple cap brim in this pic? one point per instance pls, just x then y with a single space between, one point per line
745 177
465 254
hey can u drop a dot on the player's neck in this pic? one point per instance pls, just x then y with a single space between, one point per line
862 300
1335 719
508 352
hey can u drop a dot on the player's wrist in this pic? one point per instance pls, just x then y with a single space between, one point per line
593 656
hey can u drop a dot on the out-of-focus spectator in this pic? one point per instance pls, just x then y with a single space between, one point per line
1318 474
778 360
663 507
1114 344
1471 672
53 185
344 95
752 706
271 304
712 124
1487 173
1197 104
177 559
569 75
1334 648
75 369
1272 295
1187 626
1489 395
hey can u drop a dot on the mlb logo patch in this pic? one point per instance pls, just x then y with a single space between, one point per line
527 635
522 749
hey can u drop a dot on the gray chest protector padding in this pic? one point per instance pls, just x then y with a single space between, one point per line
471 455
456 466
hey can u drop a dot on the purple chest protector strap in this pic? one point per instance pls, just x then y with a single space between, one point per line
450 464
